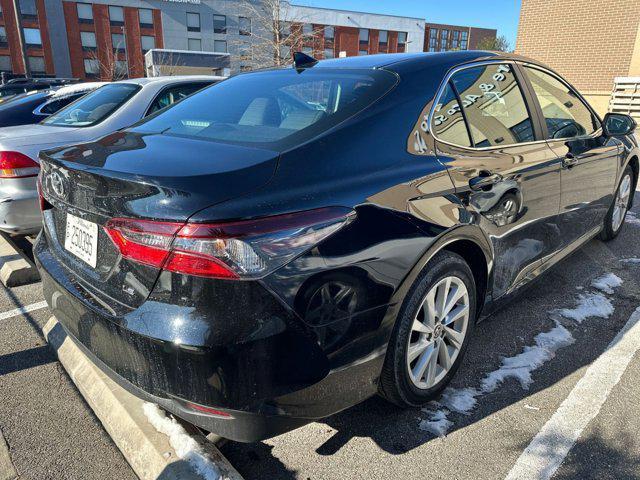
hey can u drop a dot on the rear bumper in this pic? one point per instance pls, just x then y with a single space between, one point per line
19 211
269 374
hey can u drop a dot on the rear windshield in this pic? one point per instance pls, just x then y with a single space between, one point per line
272 109
94 107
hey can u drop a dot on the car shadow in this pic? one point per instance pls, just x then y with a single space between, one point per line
504 334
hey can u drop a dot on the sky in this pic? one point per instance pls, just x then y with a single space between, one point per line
500 14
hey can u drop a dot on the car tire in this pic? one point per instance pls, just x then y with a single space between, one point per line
614 220
412 345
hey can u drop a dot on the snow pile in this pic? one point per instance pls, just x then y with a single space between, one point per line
186 447
589 305
632 260
77 88
632 218
521 366
607 283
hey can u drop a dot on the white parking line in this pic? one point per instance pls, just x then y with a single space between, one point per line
550 446
22 310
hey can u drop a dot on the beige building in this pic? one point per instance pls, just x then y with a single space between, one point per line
590 42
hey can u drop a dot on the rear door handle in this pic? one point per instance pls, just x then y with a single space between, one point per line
482 182
569 160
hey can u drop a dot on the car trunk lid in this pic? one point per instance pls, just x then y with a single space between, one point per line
150 177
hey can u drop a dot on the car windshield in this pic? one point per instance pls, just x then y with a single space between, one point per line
272 109
94 107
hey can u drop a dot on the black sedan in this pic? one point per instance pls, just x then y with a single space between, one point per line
289 242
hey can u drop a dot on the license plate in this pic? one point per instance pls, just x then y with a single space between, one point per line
81 239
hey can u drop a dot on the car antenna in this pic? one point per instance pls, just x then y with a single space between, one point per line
302 61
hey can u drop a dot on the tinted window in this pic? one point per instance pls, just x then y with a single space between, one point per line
493 105
174 94
94 107
273 108
564 113
448 123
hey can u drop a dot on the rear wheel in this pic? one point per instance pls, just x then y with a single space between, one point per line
432 332
615 216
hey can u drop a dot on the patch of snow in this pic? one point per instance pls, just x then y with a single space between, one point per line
77 88
438 424
186 447
632 260
632 218
531 407
522 365
589 305
459 400
607 282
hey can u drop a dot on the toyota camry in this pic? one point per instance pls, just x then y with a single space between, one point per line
289 242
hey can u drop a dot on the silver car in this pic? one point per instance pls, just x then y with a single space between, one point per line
105 110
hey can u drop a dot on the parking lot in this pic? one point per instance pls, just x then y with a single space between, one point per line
523 365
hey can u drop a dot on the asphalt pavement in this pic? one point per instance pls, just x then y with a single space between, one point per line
52 434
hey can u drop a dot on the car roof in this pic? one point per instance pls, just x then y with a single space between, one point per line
171 79
418 61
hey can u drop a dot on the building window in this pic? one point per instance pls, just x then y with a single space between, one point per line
329 34
307 51
147 43
364 39
464 41
244 51
194 44
5 63
402 38
32 37
220 46
36 65
444 35
383 39
28 10
307 30
244 25
1 11
85 12
193 22
91 67
117 42
328 53
285 28
362 53
219 24
88 40
145 17
121 69
3 36
116 16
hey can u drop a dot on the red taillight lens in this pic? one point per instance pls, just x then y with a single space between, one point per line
17 165
233 250
208 410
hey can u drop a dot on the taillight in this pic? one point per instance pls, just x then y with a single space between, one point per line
246 249
17 165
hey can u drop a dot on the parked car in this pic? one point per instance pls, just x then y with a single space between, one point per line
17 86
33 107
109 108
289 242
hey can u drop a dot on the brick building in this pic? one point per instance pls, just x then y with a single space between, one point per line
109 38
589 42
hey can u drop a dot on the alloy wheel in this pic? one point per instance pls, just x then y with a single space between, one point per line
621 203
438 332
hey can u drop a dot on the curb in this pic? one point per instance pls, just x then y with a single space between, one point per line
15 269
148 451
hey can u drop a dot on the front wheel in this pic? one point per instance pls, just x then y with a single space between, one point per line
432 332
615 216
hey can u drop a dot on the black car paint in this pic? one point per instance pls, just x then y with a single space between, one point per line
253 348
19 110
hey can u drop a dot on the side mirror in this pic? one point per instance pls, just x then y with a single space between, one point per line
618 124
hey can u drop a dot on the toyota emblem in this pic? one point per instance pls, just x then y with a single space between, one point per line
57 184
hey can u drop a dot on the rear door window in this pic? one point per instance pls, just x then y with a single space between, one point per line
52 106
565 114
493 105
172 95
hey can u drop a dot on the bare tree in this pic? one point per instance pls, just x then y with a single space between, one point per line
275 32
499 44
109 68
